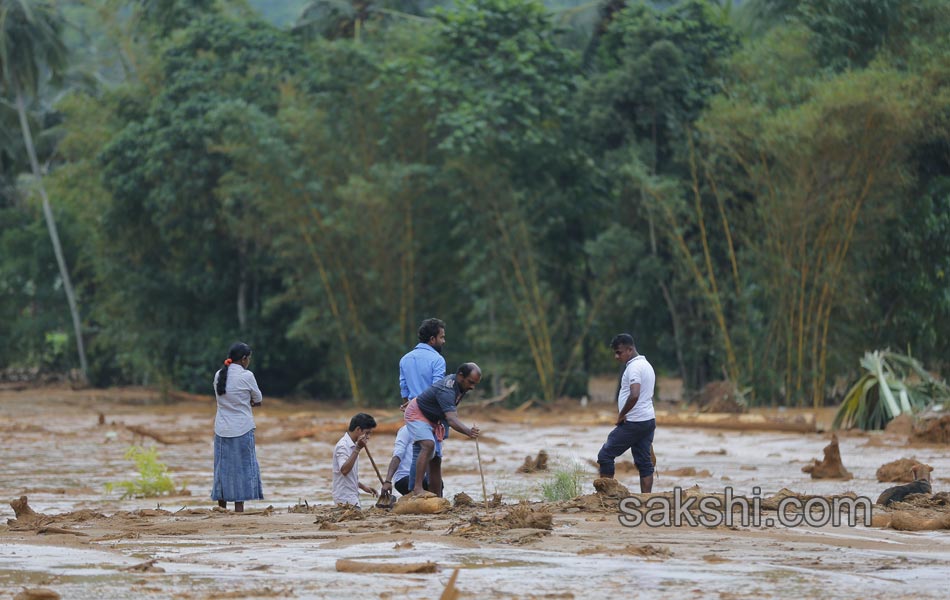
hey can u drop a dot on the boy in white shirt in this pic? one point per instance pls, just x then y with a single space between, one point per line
636 419
346 484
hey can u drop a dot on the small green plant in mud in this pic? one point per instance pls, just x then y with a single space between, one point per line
153 475
564 484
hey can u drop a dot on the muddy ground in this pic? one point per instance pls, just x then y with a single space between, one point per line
85 543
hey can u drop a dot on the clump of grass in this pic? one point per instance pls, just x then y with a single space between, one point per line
563 484
153 475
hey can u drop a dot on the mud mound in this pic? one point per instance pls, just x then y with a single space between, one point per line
426 503
719 397
688 472
911 521
933 431
519 525
902 424
531 465
22 510
924 502
37 594
611 488
462 499
900 471
772 502
830 467
523 516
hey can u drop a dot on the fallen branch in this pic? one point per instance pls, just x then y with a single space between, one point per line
499 398
54 530
345 565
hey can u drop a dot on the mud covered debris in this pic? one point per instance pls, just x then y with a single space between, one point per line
899 493
902 424
145 567
611 488
829 467
37 594
646 551
28 519
772 502
462 500
345 565
538 463
520 524
719 397
426 503
901 471
338 514
933 431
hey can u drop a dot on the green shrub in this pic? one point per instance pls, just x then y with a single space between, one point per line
153 475
564 484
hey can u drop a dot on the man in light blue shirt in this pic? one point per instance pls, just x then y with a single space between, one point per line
420 368
423 365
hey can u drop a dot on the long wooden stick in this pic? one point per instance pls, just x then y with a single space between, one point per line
373 462
478 453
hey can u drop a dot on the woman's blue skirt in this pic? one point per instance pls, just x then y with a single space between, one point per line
237 476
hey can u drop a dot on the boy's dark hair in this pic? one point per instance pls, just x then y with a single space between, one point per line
363 421
622 339
429 329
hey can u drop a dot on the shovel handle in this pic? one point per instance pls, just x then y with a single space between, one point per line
478 453
375 468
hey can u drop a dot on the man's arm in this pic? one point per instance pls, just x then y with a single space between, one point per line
630 403
453 420
367 489
403 386
347 466
387 487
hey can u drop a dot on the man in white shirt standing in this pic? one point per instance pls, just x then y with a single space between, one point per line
636 420
346 473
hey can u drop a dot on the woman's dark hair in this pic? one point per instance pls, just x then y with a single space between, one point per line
429 329
363 421
236 353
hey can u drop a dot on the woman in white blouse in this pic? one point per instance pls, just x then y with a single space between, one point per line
237 476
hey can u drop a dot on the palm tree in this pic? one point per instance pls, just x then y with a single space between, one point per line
31 47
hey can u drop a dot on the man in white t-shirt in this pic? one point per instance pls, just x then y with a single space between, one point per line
636 420
346 471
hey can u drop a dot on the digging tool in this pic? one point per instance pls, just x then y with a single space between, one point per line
385 500
478 453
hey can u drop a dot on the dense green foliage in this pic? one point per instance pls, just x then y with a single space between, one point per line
758 191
